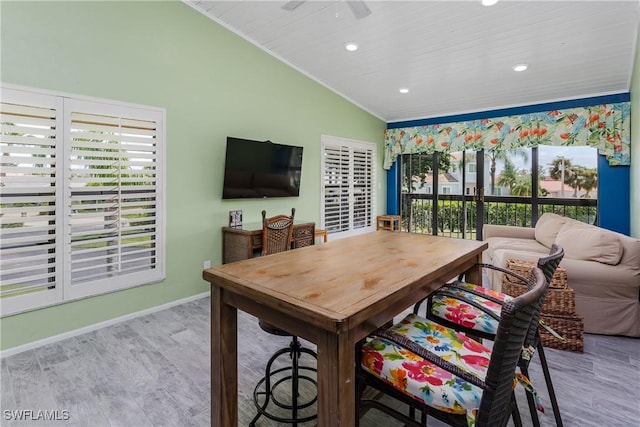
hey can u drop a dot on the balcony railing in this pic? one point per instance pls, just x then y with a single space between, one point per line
457 215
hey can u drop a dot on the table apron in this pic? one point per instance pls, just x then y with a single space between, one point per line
292 324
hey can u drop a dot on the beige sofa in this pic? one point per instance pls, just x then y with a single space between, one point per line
603 267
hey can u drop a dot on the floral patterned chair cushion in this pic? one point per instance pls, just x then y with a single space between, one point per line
457 311
421 379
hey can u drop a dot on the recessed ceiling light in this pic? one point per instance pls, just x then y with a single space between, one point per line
489 2
520 67
404 90
351 46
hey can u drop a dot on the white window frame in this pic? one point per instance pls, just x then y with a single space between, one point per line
148 263
350 149
471 167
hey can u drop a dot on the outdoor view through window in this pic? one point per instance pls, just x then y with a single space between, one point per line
566 179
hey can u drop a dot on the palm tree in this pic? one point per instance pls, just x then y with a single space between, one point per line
523 184
507 177
495 155
578 177
583 178
555 171
589 181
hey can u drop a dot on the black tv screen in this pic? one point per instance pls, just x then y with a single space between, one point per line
257 169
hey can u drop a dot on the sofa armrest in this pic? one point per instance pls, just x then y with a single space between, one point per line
492 230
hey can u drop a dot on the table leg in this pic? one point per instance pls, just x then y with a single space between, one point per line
224 367
474 274
336 380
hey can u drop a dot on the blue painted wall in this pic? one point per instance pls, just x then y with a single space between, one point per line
393 201
614 189
614 201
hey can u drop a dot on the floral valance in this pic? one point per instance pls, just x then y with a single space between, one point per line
606 127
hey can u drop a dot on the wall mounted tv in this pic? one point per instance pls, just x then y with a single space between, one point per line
258 169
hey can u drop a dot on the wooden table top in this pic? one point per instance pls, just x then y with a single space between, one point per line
335 284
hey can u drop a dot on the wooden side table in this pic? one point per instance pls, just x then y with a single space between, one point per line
241 243
321 233
388 222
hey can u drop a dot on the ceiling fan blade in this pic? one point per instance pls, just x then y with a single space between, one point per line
359 9
292 5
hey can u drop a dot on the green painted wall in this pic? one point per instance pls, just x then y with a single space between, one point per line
212 83
635 144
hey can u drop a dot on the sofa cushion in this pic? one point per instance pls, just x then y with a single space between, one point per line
589 243
547 228
593 279
514 244
630 251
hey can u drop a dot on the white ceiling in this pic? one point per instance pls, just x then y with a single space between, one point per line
454 56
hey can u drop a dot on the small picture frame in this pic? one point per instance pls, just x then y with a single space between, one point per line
235 219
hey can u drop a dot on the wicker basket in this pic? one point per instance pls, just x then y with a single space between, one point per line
571 328
557 301
558 307
523 268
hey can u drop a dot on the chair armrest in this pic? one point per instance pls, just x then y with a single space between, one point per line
456 284
492 230
415 348
446 293
523 279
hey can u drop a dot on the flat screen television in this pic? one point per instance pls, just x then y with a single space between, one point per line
258 169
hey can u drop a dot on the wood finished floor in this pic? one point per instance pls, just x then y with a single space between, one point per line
154 371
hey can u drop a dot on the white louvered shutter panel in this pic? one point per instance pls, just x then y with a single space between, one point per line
348 186
336 188
112 230
363 187
30 198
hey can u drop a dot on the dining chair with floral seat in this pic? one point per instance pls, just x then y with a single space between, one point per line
475 311
446 374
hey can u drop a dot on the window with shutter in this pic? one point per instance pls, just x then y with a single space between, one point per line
348 186
81 188
30 195
113 196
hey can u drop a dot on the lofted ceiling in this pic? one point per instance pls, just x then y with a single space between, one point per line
453 56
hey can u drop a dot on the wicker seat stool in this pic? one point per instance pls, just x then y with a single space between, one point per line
266 398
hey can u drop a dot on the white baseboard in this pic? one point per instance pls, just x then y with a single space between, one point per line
39 343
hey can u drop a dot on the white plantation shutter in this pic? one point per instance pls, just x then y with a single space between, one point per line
348 186
363 188
112 209
30 148
82 206
336 188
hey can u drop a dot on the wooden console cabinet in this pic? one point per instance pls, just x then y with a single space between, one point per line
243 243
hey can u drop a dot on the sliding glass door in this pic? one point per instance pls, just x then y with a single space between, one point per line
455 194
440 193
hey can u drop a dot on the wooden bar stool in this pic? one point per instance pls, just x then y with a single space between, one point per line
269 399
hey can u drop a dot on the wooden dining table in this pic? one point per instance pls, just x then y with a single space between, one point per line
333 295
